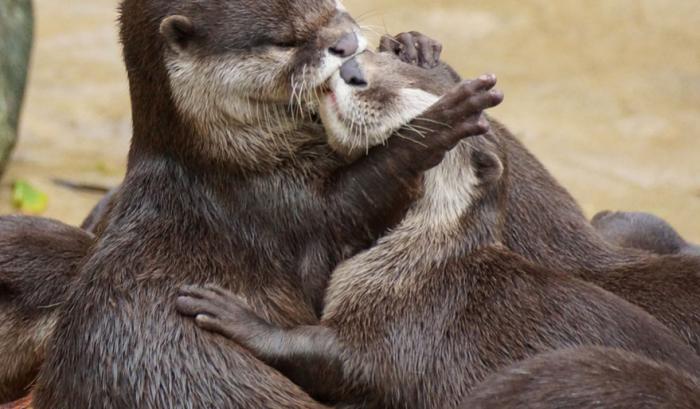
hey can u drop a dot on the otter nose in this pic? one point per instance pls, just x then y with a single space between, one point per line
352 74
346 46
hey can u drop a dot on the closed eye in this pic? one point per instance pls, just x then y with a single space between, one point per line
287 44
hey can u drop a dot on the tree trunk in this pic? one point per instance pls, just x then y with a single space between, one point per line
16 28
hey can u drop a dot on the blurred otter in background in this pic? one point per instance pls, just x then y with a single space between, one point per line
642 231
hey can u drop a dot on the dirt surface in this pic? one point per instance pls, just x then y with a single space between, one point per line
605 92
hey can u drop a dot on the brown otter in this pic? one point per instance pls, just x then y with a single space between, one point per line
438 303
587 378
544 224
642 231
225 185
38 256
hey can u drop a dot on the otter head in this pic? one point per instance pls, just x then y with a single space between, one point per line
375 95
234 63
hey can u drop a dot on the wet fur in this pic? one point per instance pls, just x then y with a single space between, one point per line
39 258
438 304
544 224
587 378
196 207
187 213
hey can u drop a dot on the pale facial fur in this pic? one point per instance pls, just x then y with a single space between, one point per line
353 125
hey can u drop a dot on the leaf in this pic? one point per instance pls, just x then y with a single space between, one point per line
28 199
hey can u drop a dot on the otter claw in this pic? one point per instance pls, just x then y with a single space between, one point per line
413 48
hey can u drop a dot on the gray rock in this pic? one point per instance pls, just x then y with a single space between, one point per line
16 29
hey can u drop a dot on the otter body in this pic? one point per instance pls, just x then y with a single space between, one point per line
543 223
39 262
39 258
437 304
546 226
587 378
182 215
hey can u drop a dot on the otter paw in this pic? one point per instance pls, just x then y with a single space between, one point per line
217 310
413 48
459 114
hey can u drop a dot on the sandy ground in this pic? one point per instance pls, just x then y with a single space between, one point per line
605 92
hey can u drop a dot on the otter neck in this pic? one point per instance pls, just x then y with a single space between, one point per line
455 215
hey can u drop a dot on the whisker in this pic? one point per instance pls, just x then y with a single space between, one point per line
434 122
411 128
400 135
371 31
367 14
422 128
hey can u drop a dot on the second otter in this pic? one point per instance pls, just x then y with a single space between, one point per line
438 304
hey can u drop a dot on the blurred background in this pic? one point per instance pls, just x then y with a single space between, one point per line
605 92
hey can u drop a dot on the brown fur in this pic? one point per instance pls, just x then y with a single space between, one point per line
544 224
204 202
437 305
642 231
38 258
587 378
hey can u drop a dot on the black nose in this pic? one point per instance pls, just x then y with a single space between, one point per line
346 46
352 74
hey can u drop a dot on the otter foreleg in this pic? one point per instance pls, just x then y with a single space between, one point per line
311 356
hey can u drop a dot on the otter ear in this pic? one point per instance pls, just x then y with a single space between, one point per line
178 32
488 167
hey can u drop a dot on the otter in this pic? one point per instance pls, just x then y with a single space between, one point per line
587 378
437 304
544 224
225 185
642 231
36 254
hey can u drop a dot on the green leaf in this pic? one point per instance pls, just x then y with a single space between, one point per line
28 199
